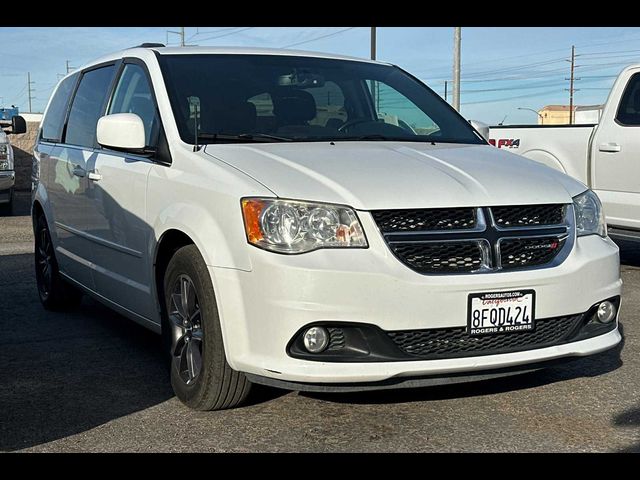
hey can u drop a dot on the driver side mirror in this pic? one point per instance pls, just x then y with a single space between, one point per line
18 125
481 128
122 131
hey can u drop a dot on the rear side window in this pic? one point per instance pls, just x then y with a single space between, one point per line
88 106
629 109
54 120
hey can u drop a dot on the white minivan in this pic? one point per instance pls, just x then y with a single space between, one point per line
311 222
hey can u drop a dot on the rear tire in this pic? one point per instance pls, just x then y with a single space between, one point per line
54 292
200 375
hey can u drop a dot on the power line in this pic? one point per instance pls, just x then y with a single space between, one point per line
496 100
24 88
318 38
514 68
485 61
225 34
615 52
591 45
524 87
210 31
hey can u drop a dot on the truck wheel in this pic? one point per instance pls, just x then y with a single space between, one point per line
55 293
200 375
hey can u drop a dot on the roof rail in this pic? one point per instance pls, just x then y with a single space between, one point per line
151 45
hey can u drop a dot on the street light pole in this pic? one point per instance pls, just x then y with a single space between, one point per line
534 111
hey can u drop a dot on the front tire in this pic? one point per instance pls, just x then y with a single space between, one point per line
55 294
200 375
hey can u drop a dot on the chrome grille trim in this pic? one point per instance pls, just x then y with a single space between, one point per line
490 236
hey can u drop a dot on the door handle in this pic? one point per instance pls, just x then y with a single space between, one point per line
610 147
78 171
95 176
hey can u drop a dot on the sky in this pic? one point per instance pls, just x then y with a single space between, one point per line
504 69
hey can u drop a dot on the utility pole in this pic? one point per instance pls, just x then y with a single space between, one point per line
374 85
68 67
446 85
180 32
373 43
572 79
29 89
457 37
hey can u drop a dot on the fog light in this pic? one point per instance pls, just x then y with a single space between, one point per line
316 339
606 312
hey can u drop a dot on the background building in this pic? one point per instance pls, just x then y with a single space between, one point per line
559 114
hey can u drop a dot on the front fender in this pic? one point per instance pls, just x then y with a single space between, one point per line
220 246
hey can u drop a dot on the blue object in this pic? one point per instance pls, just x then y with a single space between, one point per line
8 113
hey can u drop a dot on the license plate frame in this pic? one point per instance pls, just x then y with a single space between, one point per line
506 322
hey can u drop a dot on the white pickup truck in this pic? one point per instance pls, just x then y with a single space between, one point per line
604 156
7 172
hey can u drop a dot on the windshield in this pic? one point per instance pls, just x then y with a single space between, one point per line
275 98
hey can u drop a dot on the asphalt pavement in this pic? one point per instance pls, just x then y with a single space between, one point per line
90 380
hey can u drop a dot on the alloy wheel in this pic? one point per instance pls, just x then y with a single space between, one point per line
186 329
44 261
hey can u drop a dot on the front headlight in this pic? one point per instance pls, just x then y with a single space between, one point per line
589 215
6 160
291 226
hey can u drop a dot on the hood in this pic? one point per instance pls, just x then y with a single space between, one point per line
388 175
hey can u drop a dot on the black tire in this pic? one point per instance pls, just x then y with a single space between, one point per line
214 385
54 292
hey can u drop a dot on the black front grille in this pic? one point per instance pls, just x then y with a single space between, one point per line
440 256
425 219
528 215
465 240
529 252
455 342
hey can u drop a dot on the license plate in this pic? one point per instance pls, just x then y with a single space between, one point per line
501 312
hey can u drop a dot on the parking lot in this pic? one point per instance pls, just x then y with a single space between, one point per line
90 380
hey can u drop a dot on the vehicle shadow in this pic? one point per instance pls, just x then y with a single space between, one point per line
585 367
21 204
64 373
629 419
67 372
629 252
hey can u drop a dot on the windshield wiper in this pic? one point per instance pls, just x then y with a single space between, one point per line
242 137
378 136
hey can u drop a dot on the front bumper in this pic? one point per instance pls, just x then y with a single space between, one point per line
263 309
411 382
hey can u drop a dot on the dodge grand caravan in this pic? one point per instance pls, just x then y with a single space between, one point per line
312 222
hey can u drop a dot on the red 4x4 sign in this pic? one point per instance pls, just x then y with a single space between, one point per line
505 142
